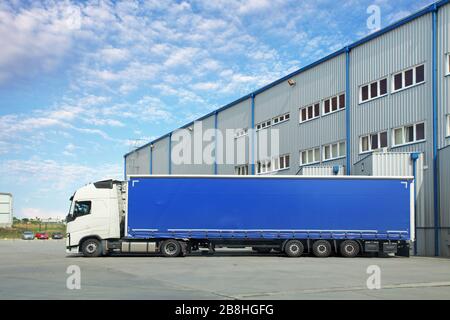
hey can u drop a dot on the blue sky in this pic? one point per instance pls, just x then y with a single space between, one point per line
82 83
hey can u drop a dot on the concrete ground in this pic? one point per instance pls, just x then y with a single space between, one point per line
37 270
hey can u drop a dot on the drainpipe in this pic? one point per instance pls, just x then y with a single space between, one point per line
435 136
347 107
253 135
215 142
414 158
151 158
170 153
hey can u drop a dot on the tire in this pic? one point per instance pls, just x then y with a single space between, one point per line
262 250
349 248
294 248
171 248
92 248
321 249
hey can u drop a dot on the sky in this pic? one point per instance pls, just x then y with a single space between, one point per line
84 82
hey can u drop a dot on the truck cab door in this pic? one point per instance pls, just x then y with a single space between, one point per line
89 218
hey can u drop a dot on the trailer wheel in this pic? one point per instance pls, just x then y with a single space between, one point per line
321 248
294 248
91 248
349 248
262 250
171 248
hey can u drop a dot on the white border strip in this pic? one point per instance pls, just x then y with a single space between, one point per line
412 212
275 177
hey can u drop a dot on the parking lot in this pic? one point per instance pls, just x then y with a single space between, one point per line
37 270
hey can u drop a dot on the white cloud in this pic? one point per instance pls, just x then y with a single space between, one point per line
182 56
205 86
32 213
252 6
35 39
56 175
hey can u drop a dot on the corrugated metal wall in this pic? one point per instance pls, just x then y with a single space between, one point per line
443 78
313 85
198 129
237 117
138 162
444 195
397 50
322 171
160 156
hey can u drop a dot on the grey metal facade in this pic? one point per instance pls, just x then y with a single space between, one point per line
406 44
444 203
192 167
160 156
312 86
443 76
404 47
139 162
237 117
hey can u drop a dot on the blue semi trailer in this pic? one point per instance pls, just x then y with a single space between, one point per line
295 215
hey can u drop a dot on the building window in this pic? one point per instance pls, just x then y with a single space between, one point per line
333 151
309 156
409 134
241 170
310 112
373 141
240 133
373 90
275 164
408 78
280 119
334 104
263 125
281 163
273 121
263 166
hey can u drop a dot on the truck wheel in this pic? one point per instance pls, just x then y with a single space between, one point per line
349 248
91 248
294 248
321 248
171 248
262 250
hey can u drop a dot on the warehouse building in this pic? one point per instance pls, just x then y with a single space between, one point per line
387 93
6 210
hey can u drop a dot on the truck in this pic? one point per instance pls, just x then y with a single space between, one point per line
175 215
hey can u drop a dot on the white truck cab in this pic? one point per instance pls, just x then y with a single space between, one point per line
95 213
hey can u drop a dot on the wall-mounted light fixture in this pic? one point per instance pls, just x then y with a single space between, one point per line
190 128
291 82
152 146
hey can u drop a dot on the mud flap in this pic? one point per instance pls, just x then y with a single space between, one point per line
403 249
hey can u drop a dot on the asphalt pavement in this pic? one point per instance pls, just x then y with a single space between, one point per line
41 269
